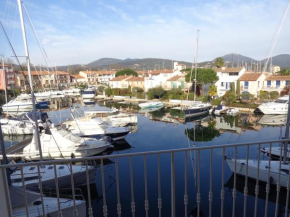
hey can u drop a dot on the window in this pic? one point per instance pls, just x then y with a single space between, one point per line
61 167
222 84
268 83
246 85
278 83
258 84
287 83
50 167
32 168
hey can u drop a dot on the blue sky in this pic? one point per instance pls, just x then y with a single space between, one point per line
81 31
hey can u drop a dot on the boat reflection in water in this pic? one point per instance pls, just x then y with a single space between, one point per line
273 120
89 102
240 187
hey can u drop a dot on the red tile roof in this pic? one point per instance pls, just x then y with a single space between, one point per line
176 78
120 78
77 76
157 72
136 79
278 78
250 76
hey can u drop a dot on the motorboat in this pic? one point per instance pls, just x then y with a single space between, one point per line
277 107
113 116
232 112
71 92
22 102
150 105
89 93
57 143
95 127
51 205
196 109
63 173
241 169
274 120
219 110
23 124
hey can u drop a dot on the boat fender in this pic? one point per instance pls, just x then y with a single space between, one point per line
72 156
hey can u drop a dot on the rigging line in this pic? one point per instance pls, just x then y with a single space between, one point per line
12 49
190 152
277 35
37 39
4 18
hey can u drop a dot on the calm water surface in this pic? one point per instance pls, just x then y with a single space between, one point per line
152 135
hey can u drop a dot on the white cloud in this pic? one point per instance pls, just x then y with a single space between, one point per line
73 36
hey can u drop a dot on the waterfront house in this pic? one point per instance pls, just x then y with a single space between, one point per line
90 76
226 77
176 82
276 83
78 79
252 82
104 76
178 67
119 82
136 82
12 78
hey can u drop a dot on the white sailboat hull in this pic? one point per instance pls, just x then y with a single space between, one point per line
263 170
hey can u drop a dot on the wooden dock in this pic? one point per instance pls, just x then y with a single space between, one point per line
13 149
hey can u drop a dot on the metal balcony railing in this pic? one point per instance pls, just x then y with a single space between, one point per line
176 168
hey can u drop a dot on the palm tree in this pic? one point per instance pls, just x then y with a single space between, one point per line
219 62
212 90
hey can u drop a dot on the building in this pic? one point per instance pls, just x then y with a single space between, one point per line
12 78
104 77
276 83
176 82
77 79
90 76
159 78
119 82
275 69
226 77
178 67
136 82
252 83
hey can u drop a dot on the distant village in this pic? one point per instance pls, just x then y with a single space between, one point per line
250 82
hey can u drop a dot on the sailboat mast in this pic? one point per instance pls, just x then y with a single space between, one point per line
4 79
195 65
37 137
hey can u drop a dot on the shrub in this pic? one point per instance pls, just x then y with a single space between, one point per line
274 95
156 92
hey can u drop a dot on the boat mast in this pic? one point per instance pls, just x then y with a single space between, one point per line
286 133
37 137
195 65
4 79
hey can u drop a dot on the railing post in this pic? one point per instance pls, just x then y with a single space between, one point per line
172 186
5 205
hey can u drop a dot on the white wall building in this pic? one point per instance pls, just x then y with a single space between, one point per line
275 69
159 78
178 67
105 76
252 83
226 77
276 83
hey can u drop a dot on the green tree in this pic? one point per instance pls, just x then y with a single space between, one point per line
212 90
101 89
264 95
238 89
203 76
108 91
233 88
274 94
219 62
202 134
156 92
284 72
126 72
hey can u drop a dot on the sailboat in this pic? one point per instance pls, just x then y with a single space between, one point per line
197 108
47 173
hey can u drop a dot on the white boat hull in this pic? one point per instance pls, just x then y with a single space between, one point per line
263 171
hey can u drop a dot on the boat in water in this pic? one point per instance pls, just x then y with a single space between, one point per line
277 107
151 105
89 93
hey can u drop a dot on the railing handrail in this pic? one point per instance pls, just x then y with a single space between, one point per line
72 160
